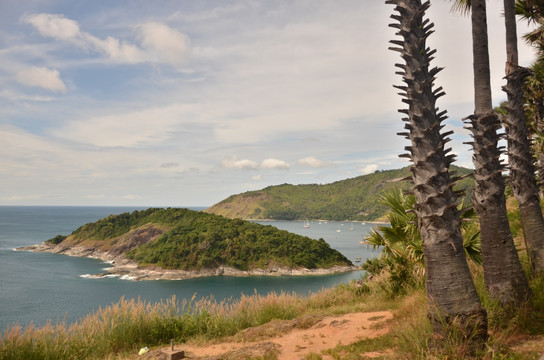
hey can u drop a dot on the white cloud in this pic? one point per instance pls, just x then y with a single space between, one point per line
128 129
15 96
368 169
94 197
246 164
53 25
115 49
41 77
131 197
159 42
22 197
169 165
163 43
312 161
234 163
274 164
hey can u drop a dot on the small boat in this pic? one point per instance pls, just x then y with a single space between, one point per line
358 259
307 224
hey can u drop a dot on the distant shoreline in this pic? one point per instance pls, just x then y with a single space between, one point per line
324 221
127 269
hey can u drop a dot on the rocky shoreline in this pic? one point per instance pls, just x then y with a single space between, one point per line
129 270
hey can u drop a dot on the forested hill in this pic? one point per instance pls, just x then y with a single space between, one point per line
351 199
191 240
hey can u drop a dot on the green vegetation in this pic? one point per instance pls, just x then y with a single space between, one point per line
192 240
116 225
401 246
57 239
351 199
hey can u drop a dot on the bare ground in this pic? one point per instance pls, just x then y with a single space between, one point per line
291 339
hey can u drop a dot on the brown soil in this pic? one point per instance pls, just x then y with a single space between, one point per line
292 339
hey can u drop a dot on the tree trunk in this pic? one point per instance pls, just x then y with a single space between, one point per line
534 105
451 294
503 273
541 175
533 231
520 160
505 280
480 56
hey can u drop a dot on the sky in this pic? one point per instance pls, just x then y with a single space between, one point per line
184 103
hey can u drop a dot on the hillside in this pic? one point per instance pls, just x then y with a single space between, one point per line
189 240
351 199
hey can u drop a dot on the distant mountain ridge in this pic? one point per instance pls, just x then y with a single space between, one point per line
351 199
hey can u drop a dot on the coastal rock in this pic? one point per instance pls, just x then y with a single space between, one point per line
130 270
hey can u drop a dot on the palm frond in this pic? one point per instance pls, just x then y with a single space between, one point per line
461 6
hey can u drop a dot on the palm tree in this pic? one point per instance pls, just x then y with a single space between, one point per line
522 173
401 239
503 273
401 257
534 110
452 297
533 12
534 97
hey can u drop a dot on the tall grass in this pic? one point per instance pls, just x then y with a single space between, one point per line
130 324
414 336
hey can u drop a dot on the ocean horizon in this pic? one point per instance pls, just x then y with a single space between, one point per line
41 287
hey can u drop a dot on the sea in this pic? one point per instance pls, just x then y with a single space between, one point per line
40 287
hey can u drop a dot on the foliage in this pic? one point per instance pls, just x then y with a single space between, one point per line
128 325
196 240
533 13
402 247
351 199
57 239
117 225
208 241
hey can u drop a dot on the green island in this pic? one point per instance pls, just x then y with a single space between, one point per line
183 239
356 198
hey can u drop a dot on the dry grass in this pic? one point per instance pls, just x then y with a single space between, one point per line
124 327
128 324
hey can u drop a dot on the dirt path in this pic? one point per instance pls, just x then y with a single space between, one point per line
293 339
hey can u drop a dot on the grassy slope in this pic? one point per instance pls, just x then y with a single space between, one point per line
351 199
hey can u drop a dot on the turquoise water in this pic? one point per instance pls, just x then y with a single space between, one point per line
36 287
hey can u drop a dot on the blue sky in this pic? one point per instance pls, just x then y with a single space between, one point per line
183 103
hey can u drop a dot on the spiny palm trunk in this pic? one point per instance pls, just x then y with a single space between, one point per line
540 171
503 273
535 97
522 172
451 293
